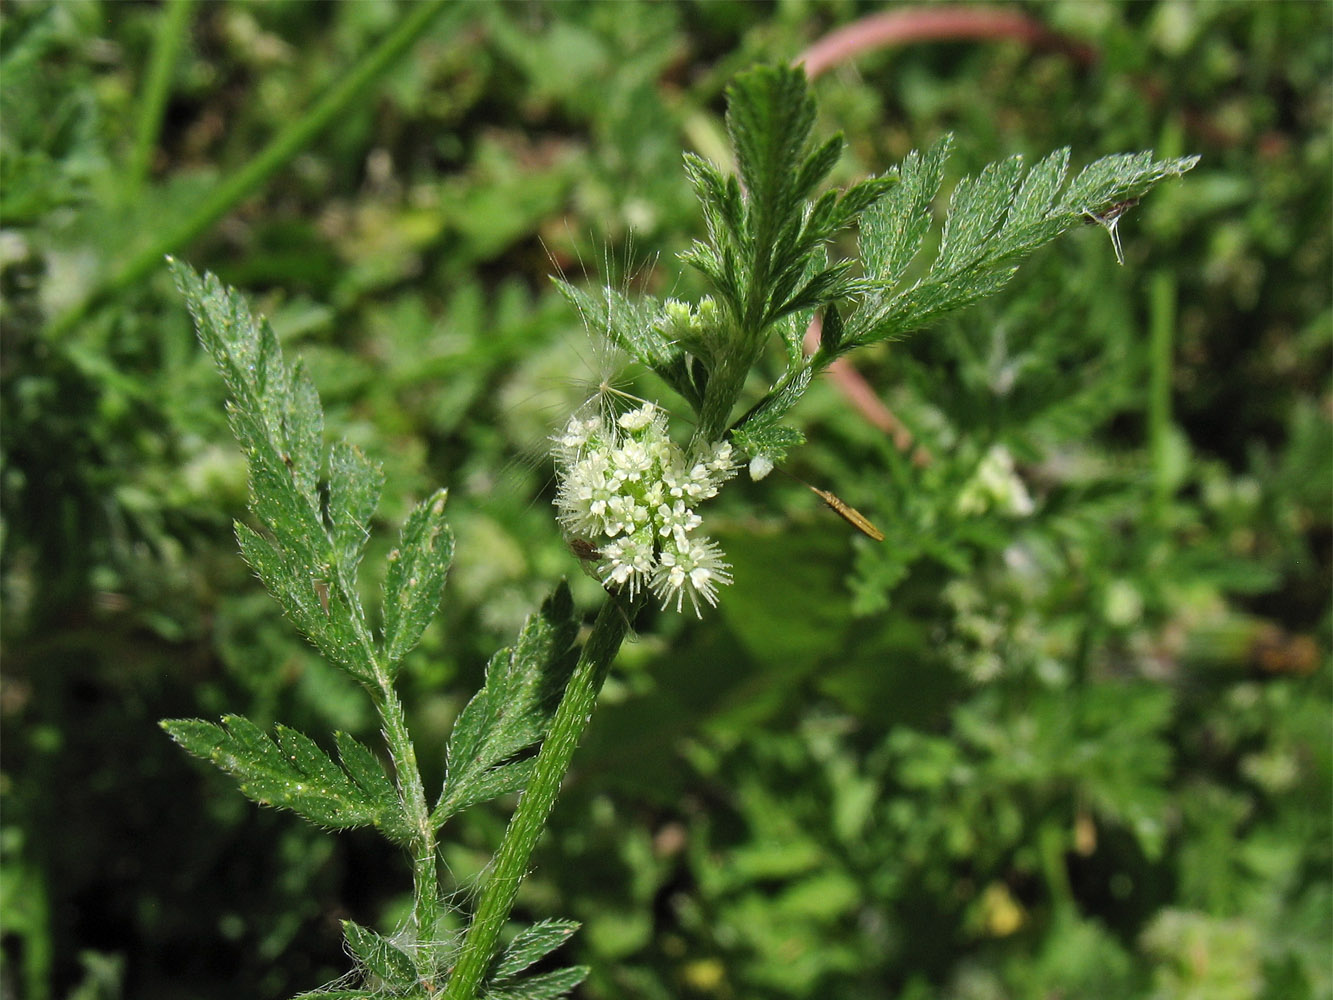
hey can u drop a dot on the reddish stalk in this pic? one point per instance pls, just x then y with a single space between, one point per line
944 23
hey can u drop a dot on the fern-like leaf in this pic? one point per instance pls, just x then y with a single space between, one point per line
315 527
290 771
531 945
995 220
510 713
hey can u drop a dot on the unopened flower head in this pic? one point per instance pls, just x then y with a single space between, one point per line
627 501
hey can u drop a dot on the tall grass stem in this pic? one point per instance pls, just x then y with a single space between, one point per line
274 156
171 32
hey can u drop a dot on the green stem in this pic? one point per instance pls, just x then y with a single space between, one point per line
157 86
525 827
274 156
36 955
1052 841
724 386
425 871
1161 326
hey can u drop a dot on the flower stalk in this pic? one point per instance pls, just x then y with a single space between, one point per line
534 806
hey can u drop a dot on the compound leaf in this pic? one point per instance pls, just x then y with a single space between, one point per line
531 945
893 229
310 601
292 772
355 483
313 540
380 957
978 207
634 328
547 986
512 710
994 221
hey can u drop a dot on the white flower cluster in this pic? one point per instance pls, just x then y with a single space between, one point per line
626 503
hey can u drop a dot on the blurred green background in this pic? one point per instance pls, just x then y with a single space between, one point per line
1063 735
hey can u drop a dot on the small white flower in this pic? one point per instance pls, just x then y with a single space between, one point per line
699 485
693 569
628 562
632 460
676 519
637 420
624 514
655 494
723 462
577 435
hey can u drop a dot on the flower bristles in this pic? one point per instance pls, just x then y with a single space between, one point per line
627 500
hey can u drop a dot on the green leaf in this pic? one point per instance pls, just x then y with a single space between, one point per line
310 600
1119 177
720 198
771 441
415 580
512 710
502 779
531 945
831 331
355 483
547 986
775 406
313 543
1037 191
291 772
769 117
770 114
994 221
977 209
766 255
274 413
636 328
380 957
893 229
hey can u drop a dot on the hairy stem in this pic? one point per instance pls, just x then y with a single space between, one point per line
425 871
525 827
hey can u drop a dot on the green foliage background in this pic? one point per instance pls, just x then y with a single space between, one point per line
1082 753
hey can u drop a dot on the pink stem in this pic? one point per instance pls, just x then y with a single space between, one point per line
860 394
943 23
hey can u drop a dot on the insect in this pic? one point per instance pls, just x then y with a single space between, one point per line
840 507
585 550
322 592
848 513
1110 220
